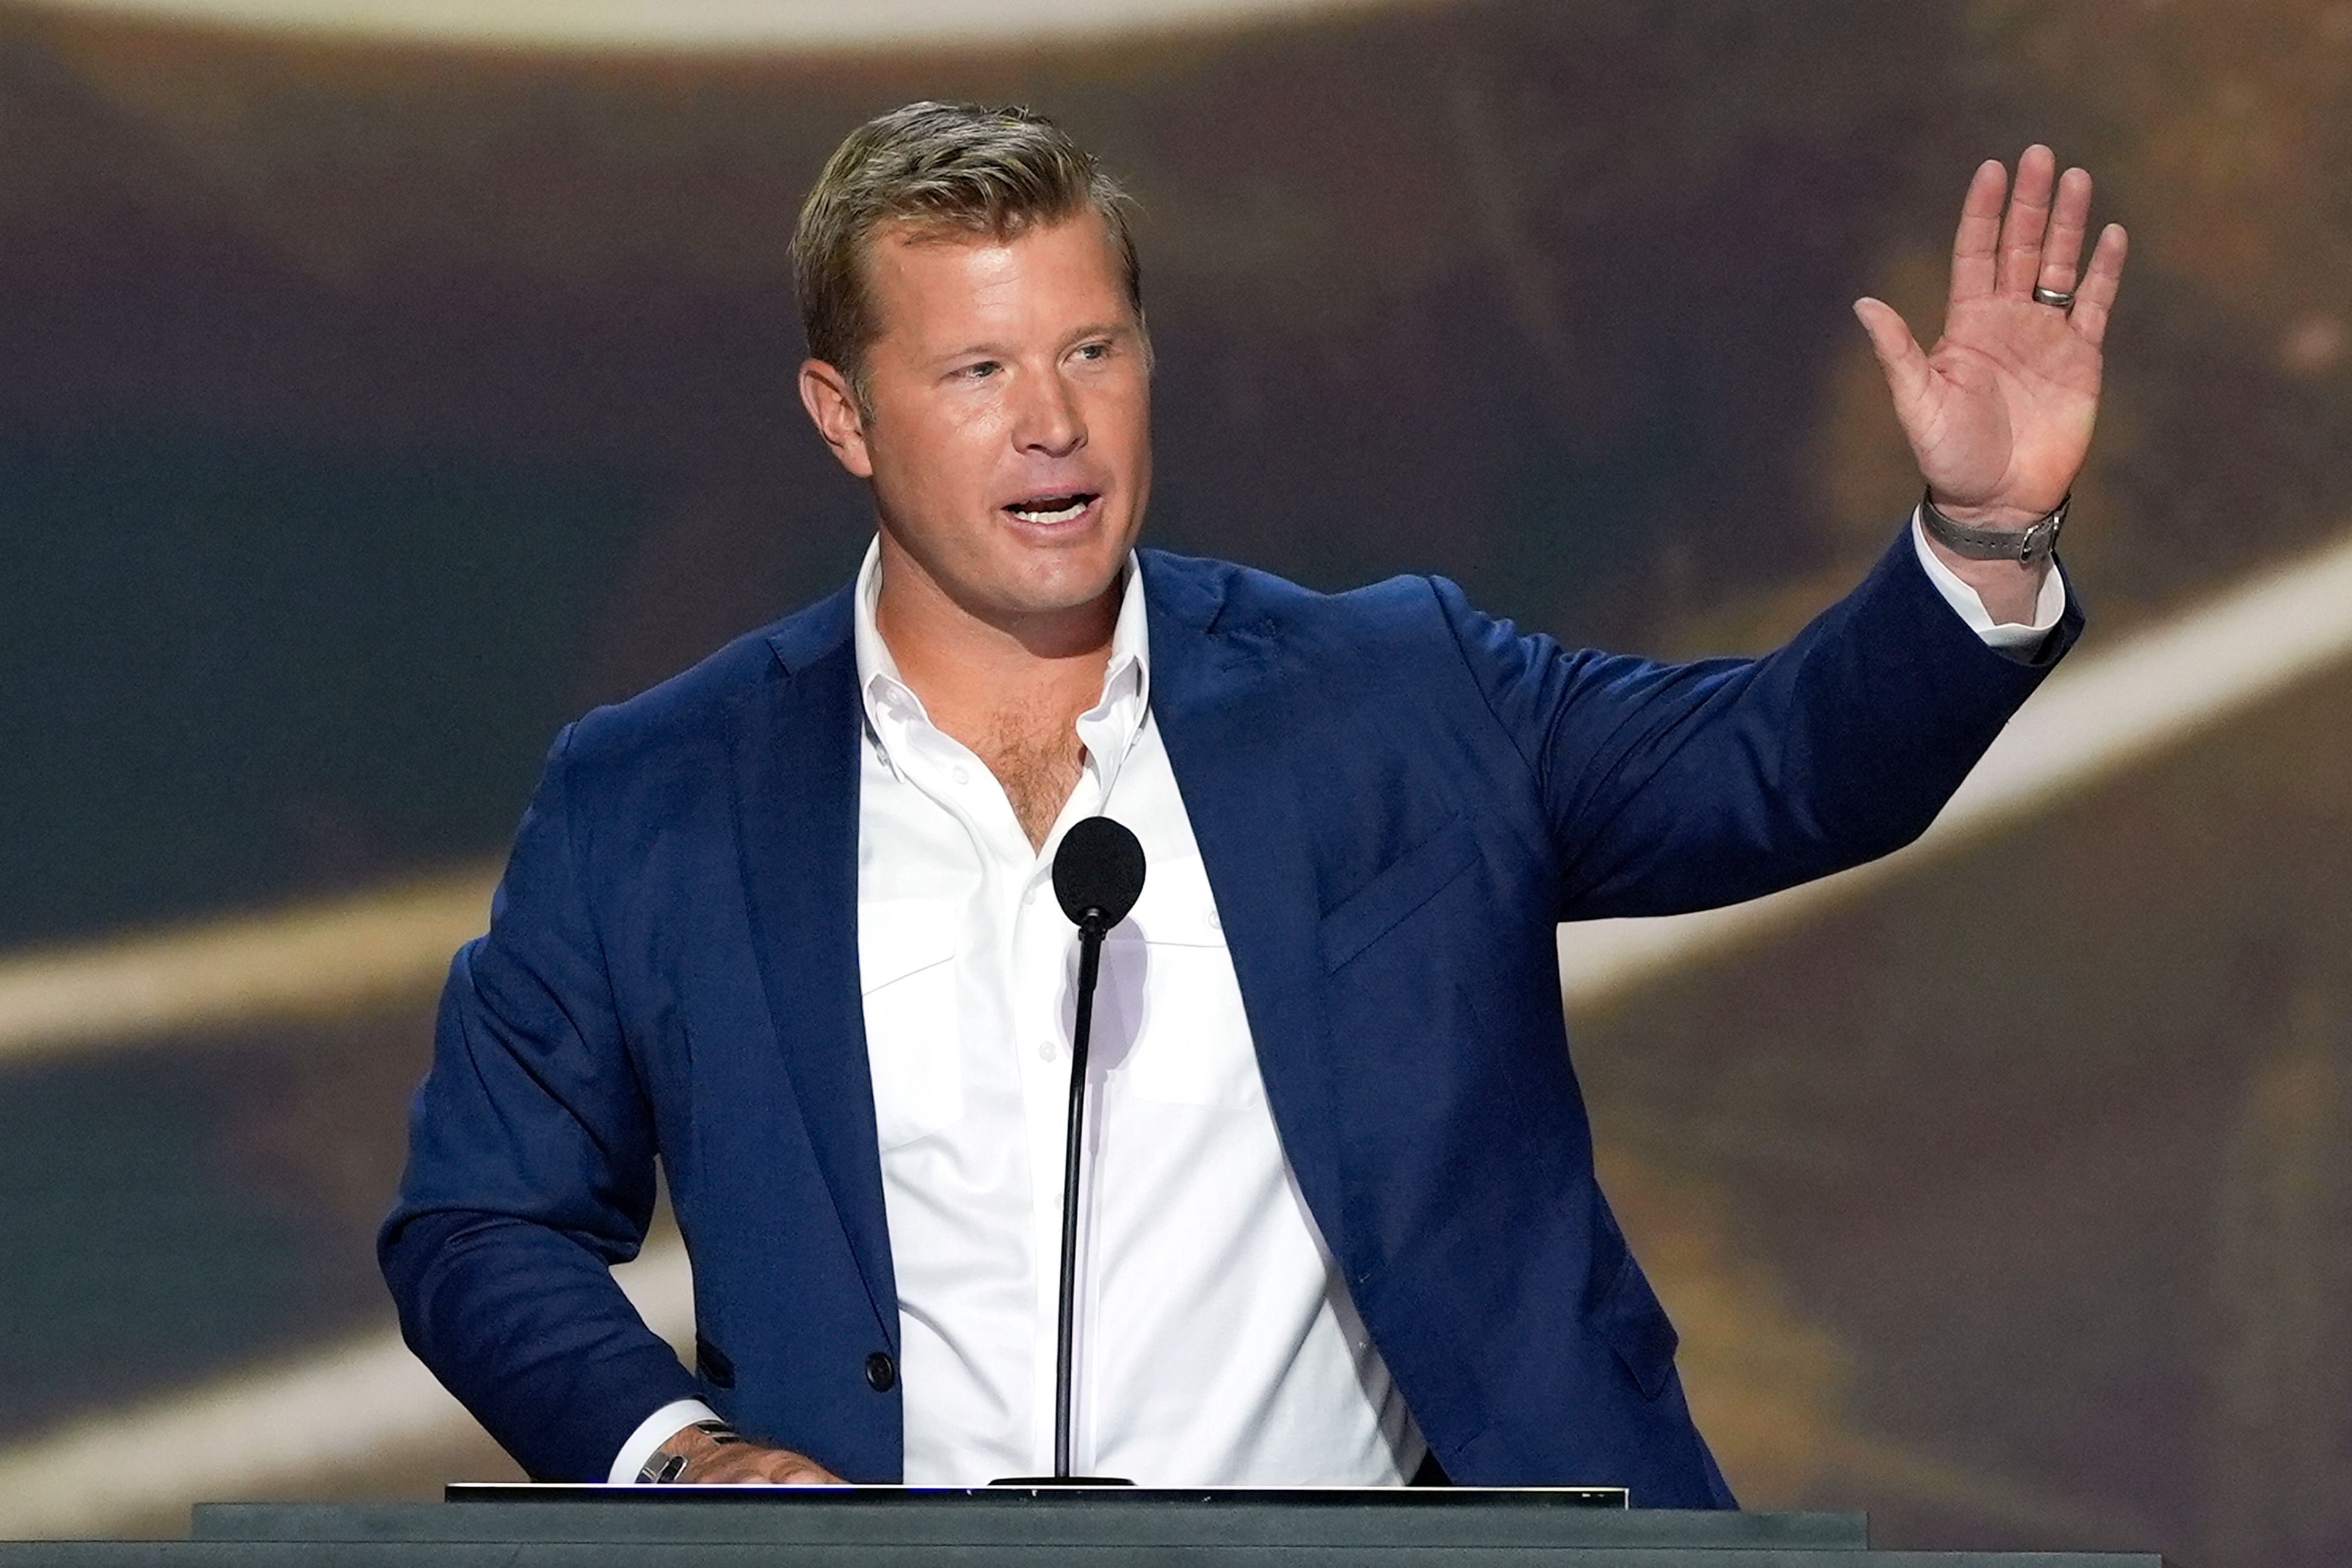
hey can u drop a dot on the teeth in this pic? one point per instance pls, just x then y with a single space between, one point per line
1063 513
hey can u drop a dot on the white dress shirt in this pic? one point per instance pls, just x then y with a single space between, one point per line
1216 1345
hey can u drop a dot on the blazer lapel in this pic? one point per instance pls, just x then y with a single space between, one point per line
796 770
1222 705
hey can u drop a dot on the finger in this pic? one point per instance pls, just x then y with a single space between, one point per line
2096 299
1899 354
2062 247
788 1468
1980 232
2028 217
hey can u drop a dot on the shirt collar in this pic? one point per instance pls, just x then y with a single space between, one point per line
1109 728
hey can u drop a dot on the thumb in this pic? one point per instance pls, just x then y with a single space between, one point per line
1899 354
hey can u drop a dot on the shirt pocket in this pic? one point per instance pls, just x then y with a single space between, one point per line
914 1049
1194 1045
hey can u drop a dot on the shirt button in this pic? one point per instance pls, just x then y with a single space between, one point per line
963 773
1045 1052
881 1372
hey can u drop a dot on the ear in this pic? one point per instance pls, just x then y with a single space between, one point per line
832 409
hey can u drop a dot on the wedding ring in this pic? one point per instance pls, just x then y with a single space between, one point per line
2051 297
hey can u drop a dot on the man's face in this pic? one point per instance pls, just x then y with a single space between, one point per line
1007 432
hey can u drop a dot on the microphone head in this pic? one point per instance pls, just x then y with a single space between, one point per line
1098 872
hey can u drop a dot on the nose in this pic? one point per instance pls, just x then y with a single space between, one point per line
1049 421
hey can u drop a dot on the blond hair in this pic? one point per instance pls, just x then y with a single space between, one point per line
938 168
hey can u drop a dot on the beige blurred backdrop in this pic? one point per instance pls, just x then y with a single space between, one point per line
383 382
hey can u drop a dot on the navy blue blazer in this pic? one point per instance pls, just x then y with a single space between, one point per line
1397 800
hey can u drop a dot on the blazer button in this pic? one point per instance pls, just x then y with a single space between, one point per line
881 1372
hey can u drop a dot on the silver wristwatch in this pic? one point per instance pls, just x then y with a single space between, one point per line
662 1469
2028 547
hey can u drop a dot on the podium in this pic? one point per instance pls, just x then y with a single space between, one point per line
866 1527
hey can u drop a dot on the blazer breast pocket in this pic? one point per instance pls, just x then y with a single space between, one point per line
1397 891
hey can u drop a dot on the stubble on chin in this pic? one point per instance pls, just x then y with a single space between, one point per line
1003 588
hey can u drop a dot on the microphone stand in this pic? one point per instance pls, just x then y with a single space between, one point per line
1090 941
1098 875
1092 926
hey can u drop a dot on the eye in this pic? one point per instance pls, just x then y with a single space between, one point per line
1096 351
979 371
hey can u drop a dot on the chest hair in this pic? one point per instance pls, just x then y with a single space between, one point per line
1036 755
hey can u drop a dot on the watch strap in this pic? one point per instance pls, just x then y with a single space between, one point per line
2028 546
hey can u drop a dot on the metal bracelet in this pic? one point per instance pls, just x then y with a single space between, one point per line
663 1469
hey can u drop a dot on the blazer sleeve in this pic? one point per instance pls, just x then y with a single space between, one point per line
1675 787
530 1172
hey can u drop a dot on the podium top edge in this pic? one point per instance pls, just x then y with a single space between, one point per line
889 1494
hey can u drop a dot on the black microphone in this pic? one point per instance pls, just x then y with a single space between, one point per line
1097 877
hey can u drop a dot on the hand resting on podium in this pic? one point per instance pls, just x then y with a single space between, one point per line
712 1460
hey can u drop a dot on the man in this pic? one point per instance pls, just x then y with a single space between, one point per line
778 922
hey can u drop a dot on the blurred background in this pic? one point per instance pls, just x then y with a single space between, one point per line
383 382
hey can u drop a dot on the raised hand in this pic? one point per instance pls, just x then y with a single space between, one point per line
2000 412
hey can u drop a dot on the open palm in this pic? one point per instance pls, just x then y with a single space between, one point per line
2000 412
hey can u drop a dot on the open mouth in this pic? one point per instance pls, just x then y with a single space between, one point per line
1066 508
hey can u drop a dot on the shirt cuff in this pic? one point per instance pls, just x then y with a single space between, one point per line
652 1433
1965 602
